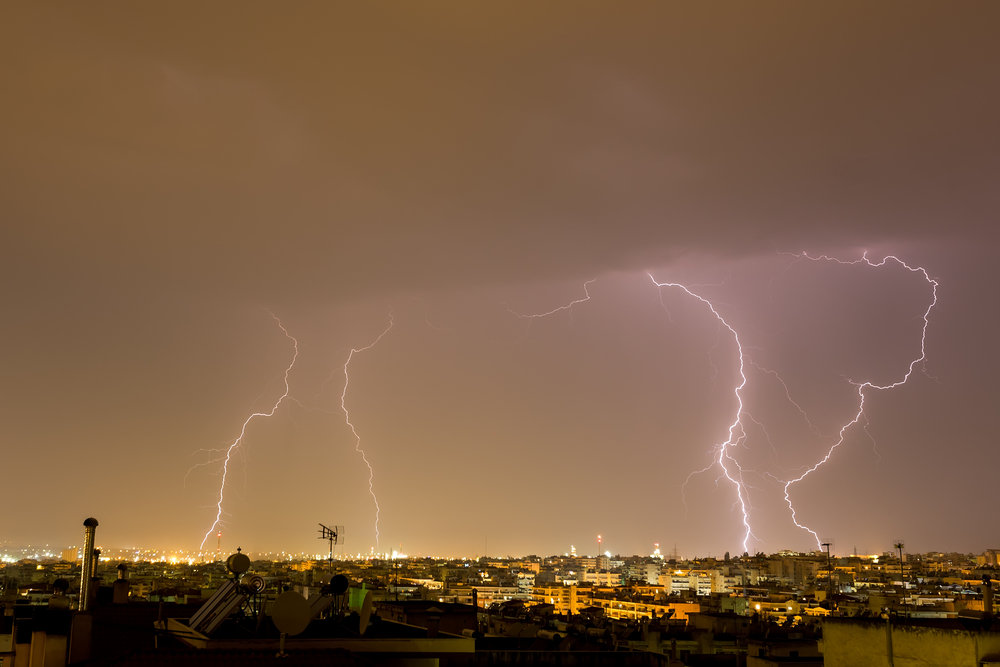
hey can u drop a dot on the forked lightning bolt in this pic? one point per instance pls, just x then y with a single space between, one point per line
737 431
859 416
350 425
236 443
724 456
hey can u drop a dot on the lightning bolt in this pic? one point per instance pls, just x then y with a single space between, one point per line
737 431
354 430
236 443
788 397
862 387
723 453
568 306
763 430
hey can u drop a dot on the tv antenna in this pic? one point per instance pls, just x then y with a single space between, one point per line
827 543
334 535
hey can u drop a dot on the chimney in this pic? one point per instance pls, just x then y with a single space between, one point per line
120 587
433 620
987 595
59 600
89 566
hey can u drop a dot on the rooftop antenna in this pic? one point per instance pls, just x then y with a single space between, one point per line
332 535
829 569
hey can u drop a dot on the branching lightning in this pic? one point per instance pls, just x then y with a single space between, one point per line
350 425
724 456
236 443
737 431
788 397
568 306
763 430
860 416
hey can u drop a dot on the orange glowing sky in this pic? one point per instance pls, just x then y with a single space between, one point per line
173 172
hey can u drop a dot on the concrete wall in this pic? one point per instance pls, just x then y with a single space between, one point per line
866 643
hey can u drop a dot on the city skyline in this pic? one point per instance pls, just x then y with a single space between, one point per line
136 553
427 248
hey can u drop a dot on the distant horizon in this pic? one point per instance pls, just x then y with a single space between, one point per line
318 556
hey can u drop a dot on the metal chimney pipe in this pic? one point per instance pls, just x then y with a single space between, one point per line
87 570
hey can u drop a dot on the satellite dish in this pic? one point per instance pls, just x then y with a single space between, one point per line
238 563
291 613
339 584
366 613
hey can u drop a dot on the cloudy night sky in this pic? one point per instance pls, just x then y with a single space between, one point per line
171 175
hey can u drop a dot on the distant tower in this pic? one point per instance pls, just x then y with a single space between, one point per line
218 549
600 543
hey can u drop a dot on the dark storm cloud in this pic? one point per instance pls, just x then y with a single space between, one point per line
387 145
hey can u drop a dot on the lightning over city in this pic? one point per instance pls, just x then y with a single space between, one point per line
235 444
862 386
354 431
736 430
725 456
737 435
526 281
